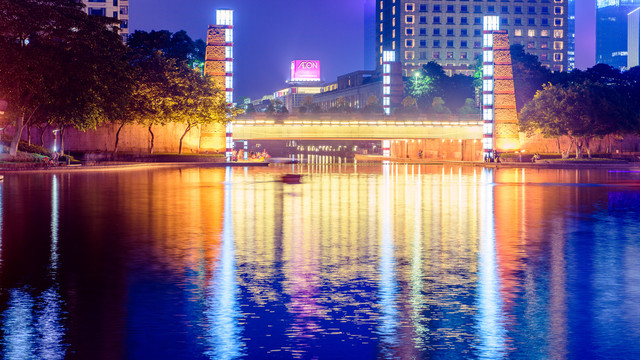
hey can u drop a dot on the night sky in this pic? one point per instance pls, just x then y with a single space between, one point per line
269 34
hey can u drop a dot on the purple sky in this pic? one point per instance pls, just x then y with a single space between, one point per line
270 34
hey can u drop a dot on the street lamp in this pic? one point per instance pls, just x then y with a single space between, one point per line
55 140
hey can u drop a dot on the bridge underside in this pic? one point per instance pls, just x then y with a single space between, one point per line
375 131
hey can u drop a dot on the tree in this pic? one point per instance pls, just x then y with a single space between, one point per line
409 105
372 106
59 64
579 111
439 107
456 89
469 107
276 107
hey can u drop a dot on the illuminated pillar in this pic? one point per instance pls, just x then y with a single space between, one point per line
219 62
491 24
388 57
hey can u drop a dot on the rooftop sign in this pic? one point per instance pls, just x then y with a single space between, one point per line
305 70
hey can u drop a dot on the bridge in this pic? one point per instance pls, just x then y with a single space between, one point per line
357 127
435 136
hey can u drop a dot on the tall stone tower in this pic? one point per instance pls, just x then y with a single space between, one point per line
218 66
499 113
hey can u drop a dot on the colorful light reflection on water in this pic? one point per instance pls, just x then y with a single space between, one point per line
393 261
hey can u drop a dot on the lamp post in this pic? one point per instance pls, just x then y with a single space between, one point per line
55 140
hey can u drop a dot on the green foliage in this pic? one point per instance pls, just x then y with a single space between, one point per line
469 107
25 146
439 107
528 75
431 81
177 46
372 106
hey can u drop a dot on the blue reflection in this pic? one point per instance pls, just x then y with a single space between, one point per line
490 318
55 208
388 327
223 313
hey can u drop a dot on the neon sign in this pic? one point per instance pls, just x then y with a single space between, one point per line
305 70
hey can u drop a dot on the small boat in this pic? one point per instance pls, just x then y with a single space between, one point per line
291 178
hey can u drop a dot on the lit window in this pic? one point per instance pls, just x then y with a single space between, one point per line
409 31
557 21
544 33
450 55
557 56
487 70
487 99
544 45
544 57
408 43
487 85
487 114
408 19
409 55
410 7
436 55
531 33
558 10
393 45
393 10
531 45
518 32
558 45
381 4
488 56
381 38
558 34
393 33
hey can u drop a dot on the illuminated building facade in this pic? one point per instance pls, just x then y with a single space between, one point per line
633 38
117 9
355 88
500 119
611 31
571 40
450 32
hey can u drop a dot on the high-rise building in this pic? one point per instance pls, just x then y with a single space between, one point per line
450 32
571 40
633 38
611 31
117 9
369 34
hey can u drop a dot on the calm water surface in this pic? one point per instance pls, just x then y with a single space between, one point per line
358 262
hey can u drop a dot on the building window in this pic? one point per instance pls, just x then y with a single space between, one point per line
531 10
477 56
504 10
124 10
477 21
449 43
476 32
423 31
558 45
464 32
544 45
115 15
558 34
98 11
450 9
557 21
423 55
450 55
557 56
436 31
531 22
423 8
531 45
504 21
464 9
381 39
531 33
558 10
518 22
464 21
408 19
410 7
477 44
518 10
436 43
463 55
491 9
517 32
436 20
544 57
125 24
408 43
437 8
449 32
450 20
463 44
408 31
544 22
436 55
423 19
477 9
423 43
409 55
545 10
99 1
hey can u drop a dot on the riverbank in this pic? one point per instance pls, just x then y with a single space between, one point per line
541 164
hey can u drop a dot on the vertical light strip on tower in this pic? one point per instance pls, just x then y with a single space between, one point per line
224 19
491 23
387 58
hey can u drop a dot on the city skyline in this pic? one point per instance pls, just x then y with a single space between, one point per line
331 31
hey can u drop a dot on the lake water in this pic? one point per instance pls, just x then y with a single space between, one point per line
357 262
